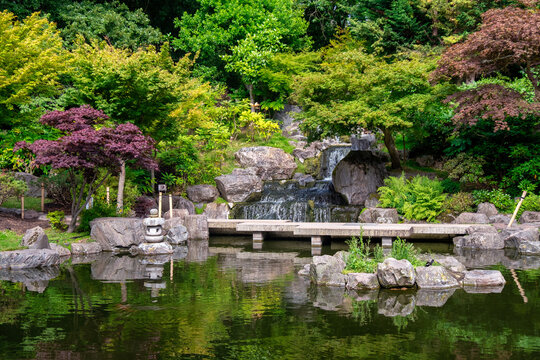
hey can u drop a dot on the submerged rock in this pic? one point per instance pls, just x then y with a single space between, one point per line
435 277
396 273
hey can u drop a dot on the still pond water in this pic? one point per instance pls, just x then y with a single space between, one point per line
226 301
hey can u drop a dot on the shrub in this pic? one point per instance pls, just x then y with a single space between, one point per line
99 210
450 186
419 198
458 203
131 193
56 219
9 186
58 188
403 250
465 168
359 259
530 203
502 201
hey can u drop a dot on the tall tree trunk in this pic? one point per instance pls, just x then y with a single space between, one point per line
391 146
249 87
121 184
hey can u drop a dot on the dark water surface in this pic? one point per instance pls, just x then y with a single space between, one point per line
228 302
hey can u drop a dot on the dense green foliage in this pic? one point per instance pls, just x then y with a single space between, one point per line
402 250
98 210
10 186
56 219
362 258
419 198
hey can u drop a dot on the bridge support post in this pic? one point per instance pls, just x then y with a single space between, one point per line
317 243
258 238
386 242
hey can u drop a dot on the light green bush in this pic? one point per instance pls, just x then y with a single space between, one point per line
361 258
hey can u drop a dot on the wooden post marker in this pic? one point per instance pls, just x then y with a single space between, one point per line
170 206
22 207
517 209
108 196
42 197
159 205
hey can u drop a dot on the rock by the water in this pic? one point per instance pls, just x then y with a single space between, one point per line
483 278
35 238
202 193
529 247
499 219
379 215
480 240
115 232
327 270
514 236
305 270
434 277
396 273
175 221
29 258
60 250
217 211
305 153
450 263
159 248
392 303
358 175
271 163
86 248
303 179
471 218
530 217
197 227
177 235
238 186
359 281
176 213
487 209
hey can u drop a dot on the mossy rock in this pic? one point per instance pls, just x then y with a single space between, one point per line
313 166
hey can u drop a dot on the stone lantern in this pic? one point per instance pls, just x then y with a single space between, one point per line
153 227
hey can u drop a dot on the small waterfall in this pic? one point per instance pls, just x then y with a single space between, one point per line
289 201
331 157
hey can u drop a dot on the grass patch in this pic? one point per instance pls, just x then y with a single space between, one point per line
361 258
30 203
10 240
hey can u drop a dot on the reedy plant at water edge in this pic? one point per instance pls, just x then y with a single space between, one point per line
361 258
401 250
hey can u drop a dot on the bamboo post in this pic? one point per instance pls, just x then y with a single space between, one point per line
42 197
517 209
159 204
172 269
22 207
108 196
170 206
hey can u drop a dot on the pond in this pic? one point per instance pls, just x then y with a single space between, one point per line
226 301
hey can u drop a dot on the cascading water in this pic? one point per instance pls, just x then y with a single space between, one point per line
317 201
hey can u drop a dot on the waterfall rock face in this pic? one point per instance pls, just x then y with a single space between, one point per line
358 175
239 185
270 163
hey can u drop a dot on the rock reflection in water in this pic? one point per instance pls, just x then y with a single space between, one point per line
396 303
510 258
257 267
34 279
197 251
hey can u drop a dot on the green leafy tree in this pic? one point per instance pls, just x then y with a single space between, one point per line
31 61
354 90
113 22
217 25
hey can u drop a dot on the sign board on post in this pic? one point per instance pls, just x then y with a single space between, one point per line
162 188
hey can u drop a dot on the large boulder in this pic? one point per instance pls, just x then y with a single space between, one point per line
86 248
451 264
202 193
176 213
197 227
363 142
530 217
435 277
239 185
360 281
499 219
177 235
396 273
217 211
487 209
471 218
513 237
483 278
358 175
379 215
33 183
327 270
35 238
172 222
480 240
271 163
529 247
112 233
29 258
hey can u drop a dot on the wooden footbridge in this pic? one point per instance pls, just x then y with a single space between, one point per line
320 232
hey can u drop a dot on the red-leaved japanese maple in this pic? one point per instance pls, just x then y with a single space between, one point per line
508 41
83 151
